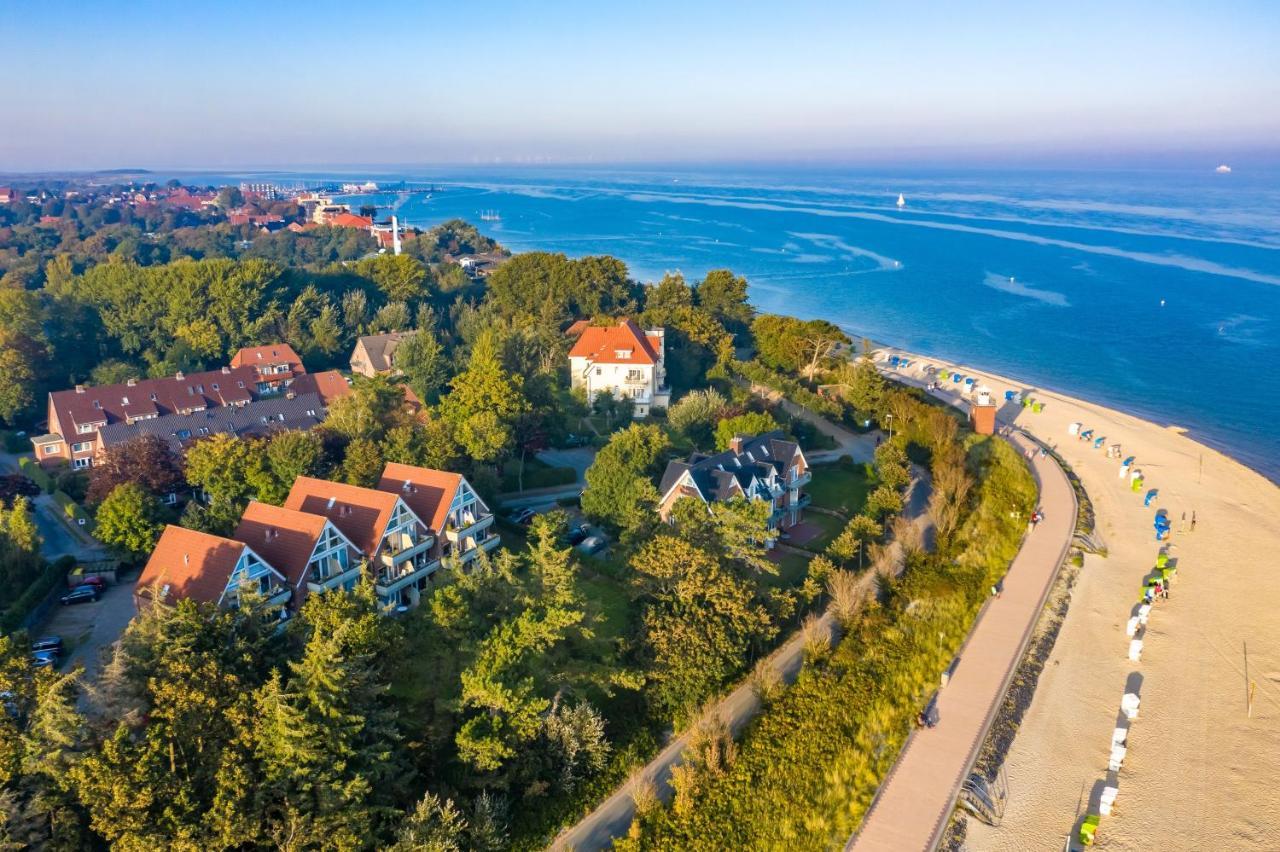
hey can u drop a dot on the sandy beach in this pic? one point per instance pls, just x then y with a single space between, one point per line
1200 773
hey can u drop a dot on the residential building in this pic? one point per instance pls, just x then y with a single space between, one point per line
8 195
312 554
76 416
277 365
254 419
624 361
187 564
767 467
374 354
329 385
399 547
450 507
349 220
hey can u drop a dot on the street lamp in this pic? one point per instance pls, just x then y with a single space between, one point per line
889 417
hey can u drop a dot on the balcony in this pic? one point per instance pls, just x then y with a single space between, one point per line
399 548
333 581
471 528
277 596
392 580
487 542
801 480
636 381
804 500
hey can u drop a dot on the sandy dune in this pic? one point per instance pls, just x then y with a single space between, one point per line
1199 774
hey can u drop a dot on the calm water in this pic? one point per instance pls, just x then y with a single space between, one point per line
1155 292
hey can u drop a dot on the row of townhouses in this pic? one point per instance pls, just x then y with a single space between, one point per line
264 388
323 537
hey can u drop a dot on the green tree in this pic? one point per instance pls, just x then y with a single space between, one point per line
290 454
401 277
853 540
373 406
129 521
619 490
225 467
696 414
748 425
363 463
725 296
146 460
483 404
17 378
434 825
421 359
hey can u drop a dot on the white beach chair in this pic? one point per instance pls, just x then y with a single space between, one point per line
1124 471
1129 705
1144 612
1117 757
1119 736
1107 800
1135 650
1074 428
1131 628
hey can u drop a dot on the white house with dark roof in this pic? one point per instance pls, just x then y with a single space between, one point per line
767 467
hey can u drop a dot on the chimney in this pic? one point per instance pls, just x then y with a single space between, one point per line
79 388
131 383
736 444
179 376
226 371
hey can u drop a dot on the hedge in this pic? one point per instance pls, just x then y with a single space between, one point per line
31 470
52 576
74 511
757 373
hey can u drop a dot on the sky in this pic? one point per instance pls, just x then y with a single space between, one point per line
92 84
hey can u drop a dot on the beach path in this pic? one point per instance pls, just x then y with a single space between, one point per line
912 806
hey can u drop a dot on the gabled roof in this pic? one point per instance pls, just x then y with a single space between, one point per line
189 564
261 417
381 348
720 476
429 493
169 395
601 345
328 385
362 514
349 220
270 355
284 537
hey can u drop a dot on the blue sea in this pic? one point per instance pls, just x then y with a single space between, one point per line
1156 292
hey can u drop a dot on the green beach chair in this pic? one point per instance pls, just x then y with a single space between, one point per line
1166 574
1137 484
1038 407
1088 829
1162 560
1026 402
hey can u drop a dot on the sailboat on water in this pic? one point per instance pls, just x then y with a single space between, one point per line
902 202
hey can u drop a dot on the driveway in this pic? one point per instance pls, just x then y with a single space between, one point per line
89 629
56 539
578 458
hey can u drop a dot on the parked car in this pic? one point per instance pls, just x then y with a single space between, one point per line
522 516
44 659
572 440
95 581
578 534
81 594
592 544
47 643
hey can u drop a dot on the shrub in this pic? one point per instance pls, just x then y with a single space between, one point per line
74 511
35 473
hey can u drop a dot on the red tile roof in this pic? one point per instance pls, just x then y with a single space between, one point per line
349 220
269 356
601 345
429 493
577 328
284 537
362 514
189 564
173 394
329 385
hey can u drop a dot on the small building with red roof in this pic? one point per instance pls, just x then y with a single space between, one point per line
328 385
447 503
208 569
399 547
349 220
312 554
276 364
622 360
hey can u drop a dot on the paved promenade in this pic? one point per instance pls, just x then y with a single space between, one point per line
913 804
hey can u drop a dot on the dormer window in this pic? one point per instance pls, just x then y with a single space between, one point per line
623 353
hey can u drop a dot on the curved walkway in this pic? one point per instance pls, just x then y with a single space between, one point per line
911 808
613 816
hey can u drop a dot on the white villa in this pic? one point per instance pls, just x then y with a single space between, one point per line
622 360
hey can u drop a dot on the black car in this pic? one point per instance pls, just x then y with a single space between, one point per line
523 516
48 643
80 594
578 534
44 659
572 440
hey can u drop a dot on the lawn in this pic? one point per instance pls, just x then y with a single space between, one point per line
537 474
830 526
792 569
840 487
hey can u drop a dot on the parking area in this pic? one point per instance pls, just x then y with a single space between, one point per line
87 629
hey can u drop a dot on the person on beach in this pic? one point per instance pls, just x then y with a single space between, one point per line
1193 521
